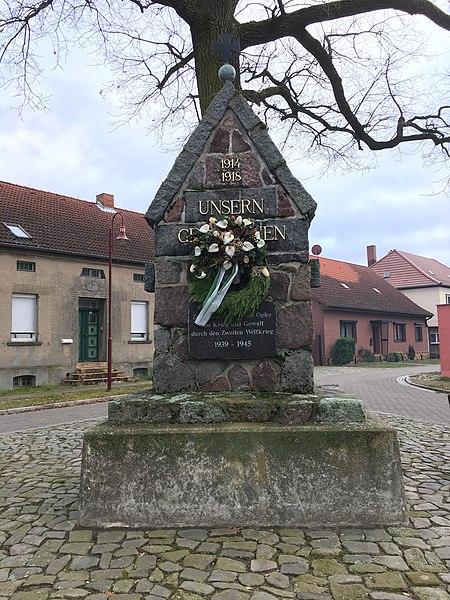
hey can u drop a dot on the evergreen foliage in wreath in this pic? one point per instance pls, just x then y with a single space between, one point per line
227 251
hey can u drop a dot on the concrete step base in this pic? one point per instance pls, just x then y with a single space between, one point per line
91 366
94 374
251 474
97 381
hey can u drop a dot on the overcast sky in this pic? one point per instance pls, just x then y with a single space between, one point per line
73 149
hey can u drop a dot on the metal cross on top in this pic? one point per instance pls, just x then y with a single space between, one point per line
227 47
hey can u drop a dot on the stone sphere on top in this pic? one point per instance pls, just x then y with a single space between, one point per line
227 73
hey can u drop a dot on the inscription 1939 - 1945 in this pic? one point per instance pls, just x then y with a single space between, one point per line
254 337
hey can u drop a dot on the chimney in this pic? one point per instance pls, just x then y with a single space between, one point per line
106 200
371 255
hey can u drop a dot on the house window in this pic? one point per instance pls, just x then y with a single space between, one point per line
23 265
24 381
89 303
139 321
138 277
140 372
447 298
348 329
434 338
418 333
399 332
97 273
23 321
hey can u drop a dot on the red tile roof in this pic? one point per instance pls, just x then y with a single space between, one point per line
67 225
410 270
359 290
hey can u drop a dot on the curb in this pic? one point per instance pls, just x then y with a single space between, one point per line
15 411
424 387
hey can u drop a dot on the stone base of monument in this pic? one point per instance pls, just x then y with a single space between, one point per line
282 461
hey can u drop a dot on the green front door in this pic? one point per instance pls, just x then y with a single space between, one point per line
88 320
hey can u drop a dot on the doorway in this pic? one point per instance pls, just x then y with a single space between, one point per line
376 336
380 337
318 350
89 317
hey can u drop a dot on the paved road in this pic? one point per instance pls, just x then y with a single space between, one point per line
376 387
54 416
44 556
379 391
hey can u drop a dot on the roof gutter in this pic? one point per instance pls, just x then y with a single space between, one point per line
38 249
387 312
420 287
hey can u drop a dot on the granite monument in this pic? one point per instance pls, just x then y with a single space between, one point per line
232 431
230 166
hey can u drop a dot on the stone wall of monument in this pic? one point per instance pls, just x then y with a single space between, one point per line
230 177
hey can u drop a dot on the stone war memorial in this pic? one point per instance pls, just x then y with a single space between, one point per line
232 432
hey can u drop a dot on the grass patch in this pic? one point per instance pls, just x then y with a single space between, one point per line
395 365
434 381
50 394
25 391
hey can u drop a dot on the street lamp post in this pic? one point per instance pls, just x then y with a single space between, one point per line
122 236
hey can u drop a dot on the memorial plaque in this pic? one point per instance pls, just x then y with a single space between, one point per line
256 203
254 337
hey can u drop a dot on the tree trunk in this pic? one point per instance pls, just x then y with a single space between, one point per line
215 17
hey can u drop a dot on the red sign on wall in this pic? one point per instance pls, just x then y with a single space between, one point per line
443 311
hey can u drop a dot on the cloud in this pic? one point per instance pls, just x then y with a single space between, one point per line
391 206
73 149
41 150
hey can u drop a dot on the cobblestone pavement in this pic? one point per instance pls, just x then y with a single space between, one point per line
379 391
43 555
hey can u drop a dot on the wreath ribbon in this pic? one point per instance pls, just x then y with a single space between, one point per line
216 294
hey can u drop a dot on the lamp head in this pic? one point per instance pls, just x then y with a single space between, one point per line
122 233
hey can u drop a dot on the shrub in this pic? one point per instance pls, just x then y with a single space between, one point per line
411 352
366 356
395 357
343 351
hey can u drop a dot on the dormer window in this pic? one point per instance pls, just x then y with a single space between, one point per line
17 230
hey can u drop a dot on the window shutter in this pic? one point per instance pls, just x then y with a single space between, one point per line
23 314
139 317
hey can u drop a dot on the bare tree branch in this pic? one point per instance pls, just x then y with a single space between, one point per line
315 48
174 68
337 88
288 24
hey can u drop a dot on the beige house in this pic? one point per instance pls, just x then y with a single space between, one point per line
424 280
53 294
